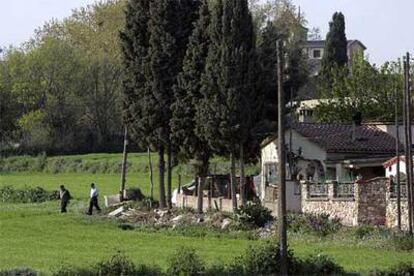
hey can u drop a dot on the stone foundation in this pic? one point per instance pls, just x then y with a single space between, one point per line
367 204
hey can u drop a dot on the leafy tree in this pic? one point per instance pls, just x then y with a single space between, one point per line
364 89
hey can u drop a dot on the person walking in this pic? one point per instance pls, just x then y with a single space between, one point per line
64 196
93 201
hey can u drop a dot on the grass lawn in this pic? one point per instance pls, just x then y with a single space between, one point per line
39 237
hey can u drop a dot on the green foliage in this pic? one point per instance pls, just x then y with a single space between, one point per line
403 241
320 265
402 269
356 91
336 48
364 231
8 194
117 264
134 193
263 259
318 224
18 272
253 214
185 262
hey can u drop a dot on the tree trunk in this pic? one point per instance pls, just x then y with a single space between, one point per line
124 167
233 181
169 176
161 166
151 176
243 194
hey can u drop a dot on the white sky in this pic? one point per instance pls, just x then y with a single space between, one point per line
384 26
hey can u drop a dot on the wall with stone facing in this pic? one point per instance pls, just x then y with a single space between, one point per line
371 201
343 208
392 212
367 205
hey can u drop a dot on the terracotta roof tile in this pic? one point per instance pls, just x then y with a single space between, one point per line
338 138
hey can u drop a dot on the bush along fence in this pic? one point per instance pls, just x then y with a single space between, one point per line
359 203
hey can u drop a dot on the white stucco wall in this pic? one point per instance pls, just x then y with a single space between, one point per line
309 151
392 171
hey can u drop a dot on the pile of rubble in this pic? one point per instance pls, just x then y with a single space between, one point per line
170 218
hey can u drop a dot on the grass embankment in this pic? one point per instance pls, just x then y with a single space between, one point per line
39 237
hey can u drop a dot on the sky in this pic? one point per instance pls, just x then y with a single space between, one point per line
385 27
19 18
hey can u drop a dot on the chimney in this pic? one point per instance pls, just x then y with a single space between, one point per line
356 121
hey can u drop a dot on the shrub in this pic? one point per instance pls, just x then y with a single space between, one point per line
185 261
364 231
402 241
118 264
263 259
28 195
402 269
320 265
134 194
18 272
253 215
319 224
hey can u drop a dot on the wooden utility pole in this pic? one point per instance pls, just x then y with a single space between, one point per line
408 139
281 164
397 154
124 166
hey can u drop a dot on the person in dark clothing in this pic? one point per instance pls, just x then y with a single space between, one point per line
64 198
93 201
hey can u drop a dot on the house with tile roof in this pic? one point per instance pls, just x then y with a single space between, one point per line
325 152
315 50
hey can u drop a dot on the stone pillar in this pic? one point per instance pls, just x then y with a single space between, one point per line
331 193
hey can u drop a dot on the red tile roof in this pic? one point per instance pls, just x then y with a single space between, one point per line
338 138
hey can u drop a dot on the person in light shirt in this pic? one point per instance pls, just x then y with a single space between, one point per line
93 200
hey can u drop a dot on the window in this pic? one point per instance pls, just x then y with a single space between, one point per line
317 53
270 173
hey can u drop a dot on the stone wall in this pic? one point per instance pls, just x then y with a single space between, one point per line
371 201
365 205
343 208
392 213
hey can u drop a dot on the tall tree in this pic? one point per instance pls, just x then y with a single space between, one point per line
226 88
335 53
187 100
156 33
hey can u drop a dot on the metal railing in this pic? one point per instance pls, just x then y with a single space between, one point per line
344 190
317 190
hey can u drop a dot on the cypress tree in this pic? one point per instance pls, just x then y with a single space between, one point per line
170 26
223 115
335 54
187 98
155 35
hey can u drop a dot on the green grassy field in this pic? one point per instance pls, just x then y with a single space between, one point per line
38 236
